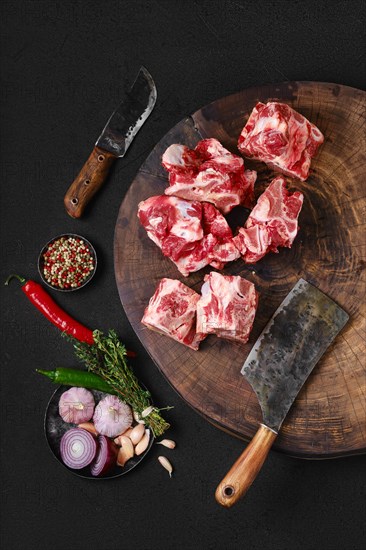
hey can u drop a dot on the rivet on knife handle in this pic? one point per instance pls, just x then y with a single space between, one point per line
90 179
242 474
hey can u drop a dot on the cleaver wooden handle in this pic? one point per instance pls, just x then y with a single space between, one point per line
242 474
91 177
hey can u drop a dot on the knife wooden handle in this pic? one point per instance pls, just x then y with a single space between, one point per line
242 474
91 177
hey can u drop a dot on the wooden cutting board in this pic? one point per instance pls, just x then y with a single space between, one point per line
328 418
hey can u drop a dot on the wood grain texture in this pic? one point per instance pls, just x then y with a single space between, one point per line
328 419
246 468
89 180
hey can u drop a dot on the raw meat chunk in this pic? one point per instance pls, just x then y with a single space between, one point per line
214 222
253 243
271 223
198 256
209 173
170 222
180 158
172 311
227 307
216 248
192 234
280 137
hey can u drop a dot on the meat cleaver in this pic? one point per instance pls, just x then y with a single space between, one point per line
121 128
278 365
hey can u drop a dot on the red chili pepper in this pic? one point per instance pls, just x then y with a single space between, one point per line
46 305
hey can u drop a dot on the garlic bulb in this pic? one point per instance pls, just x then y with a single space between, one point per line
111 416
76 405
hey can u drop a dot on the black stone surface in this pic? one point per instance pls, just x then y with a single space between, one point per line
63 66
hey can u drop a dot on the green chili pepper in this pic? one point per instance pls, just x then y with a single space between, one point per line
78 378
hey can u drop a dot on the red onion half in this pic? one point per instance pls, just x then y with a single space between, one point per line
77 448
106 457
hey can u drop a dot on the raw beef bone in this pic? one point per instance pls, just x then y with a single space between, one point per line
272 222
172 311
192 234
209 173
280 137
227 307
168 217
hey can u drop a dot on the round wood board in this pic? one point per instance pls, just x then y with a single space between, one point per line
328 418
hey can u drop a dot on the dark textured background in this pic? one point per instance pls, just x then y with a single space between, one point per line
63 66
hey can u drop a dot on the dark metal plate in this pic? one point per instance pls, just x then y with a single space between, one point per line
55 427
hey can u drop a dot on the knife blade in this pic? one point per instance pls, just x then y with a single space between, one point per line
292 343
116 137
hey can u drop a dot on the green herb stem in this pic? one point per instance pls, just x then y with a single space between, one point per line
107 358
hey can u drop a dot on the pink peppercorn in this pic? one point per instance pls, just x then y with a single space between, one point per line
67 263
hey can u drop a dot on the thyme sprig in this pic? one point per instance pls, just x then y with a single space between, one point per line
107 358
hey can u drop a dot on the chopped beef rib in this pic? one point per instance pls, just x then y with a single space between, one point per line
180 158
192 234
165 217
209 173
271 223
172 311
280 137
227 307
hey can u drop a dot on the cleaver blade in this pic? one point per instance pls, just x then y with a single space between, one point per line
116 137
296 337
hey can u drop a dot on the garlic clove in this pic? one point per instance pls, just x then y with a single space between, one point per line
122 457
126 451
143 444
127 444
137 433
169 443
137 418
147 411
126 433
89 427
166 464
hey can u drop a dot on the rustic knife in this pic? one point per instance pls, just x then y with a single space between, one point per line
113 142
278 365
